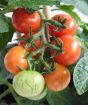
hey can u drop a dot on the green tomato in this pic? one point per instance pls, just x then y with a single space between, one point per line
40 96
28 83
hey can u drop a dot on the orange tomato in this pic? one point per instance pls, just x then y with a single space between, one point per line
71 49
15 57
58 79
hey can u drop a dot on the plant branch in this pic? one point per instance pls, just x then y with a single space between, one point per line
5 93
56 23
2 80
16 97
47 11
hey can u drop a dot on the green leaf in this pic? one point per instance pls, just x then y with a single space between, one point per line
13 104
30 102
3 2
34 4
80 75
2 103
70 10
3 70
84 26
82 5
6 37
4 27
82 36
66 97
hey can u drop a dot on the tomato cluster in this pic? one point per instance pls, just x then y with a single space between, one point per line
71 46
32 84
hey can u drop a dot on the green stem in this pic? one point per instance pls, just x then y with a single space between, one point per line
53 47
42 52
55 9
10 90
45 64
34 53
16 97
29 64
54 22
2 80
43 35
5 93
42 15
46 34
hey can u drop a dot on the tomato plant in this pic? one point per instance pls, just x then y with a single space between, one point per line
71 48
70 26
58 79
43 63
22 20
15 58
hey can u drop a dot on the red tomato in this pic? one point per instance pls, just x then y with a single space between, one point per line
22 20
15 57
71 49
70 26
31 49
58 79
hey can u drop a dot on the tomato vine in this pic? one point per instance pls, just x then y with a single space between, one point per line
42 50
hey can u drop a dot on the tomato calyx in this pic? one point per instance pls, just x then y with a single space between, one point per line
30 10
69 23
60 24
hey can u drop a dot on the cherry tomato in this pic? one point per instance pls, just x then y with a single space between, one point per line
15 57
71 49
31 49
28 84
22 20
70 25
58 79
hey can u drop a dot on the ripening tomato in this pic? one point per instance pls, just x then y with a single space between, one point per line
15 57
70 25
22 20
71 49
58 79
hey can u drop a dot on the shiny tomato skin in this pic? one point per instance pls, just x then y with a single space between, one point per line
70 26
58 79
22 20
71 49
15 57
